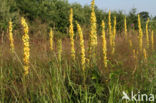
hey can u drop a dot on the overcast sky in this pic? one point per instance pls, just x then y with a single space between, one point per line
124 5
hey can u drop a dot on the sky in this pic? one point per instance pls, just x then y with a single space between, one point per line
124 5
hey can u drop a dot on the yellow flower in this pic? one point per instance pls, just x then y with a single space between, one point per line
25 39
104 44
147 34
59 48
145 54
71 34
152 40
130 43
11 37
114 35
82 47
140 33
51 39
93 32
110 28
125 26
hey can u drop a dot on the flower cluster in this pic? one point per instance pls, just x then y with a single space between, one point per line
147 34
93 32
51 39
82 47
25 39
11 37
104 45
71 34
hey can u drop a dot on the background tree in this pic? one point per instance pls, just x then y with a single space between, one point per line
42 14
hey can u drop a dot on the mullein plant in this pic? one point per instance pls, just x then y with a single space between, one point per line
71 34
130 43
147 33
82 47
140 34
59 50
25 39
110 28
104 45
125 27
114 35
145 55
11 37
51 39
152 40
93 32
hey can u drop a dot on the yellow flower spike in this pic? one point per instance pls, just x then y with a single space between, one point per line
71 34
11 37
110 28
125 27
82 47
114 35
93 32
51 39
140 34
25 39
130 43
145 55
104 45
114 29
147 34
152 40
59 49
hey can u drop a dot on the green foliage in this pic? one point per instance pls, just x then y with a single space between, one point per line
55 13
7 11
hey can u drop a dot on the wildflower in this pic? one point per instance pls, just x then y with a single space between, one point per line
152 40
110 28
130 43
140 33
51 39
11 37
71 33
147 34
83 59
125 27
25 39
114 35
145 54
93 32
104 45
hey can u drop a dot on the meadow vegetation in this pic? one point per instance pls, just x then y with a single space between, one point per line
90 61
